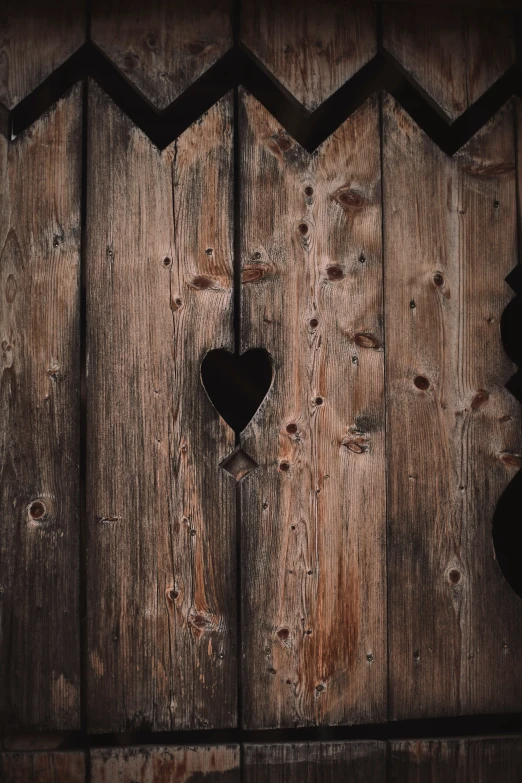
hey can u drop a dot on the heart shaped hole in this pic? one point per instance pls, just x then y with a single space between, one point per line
237 385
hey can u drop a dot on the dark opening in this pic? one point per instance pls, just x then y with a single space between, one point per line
237 385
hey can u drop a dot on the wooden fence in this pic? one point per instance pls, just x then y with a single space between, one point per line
338 186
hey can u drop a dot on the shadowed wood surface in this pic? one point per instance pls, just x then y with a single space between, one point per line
311 48
454 53
55 767
161 513
313 513
477 760
454 434
161 46
316 762
168 764
39 415
35 39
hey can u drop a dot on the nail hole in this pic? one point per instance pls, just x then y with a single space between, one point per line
335 272
208 251
421 382
37 509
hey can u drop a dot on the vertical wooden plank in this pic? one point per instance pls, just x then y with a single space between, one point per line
49 767
166 764
316 762
39 410
311 48
313 513
454 53
161 46
161 527
454 437
476 760
35 39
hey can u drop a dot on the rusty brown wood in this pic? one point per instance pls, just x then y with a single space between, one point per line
480 759
35 39
454 53
166 764
39 415
313 513
162 47
55 767
316 762
454 431
311 48
161 513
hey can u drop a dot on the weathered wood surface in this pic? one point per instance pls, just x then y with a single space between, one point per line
316 762
161 46
311 48
56 767
454 53
168 764
161 513
477 760
39 422
453 430
35 38
313 513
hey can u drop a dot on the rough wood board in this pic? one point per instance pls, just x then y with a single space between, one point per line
161 513
311 48
455 54
35 38
313 513
56 767
167 764
477 760
162 46
316 762
455 626
39 415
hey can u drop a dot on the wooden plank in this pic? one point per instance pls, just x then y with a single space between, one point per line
39 411
313 514
455 54
54 767
311 48
453 430
162 47
476 760
316 762
166 764
161 527
35 40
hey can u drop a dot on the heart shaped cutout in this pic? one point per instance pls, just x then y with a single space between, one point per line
237 385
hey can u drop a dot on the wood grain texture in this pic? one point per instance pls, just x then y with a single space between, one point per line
311 48
477 760
35 38
167 764
454 53
313 513
454 434
161 513
39 415
316 762
162 46
55 767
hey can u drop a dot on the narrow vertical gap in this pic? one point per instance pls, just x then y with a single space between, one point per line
236 28
83 417
386 454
